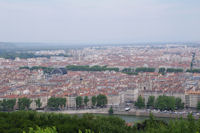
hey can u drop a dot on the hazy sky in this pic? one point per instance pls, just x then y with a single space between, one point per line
99 21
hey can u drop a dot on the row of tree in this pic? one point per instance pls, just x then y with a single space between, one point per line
193 70
12 55
161 103
9 104
129 71
25 55
176 70
92 68
170 70
24 103
105 68
99 101
144 69
53 103
132 71
45 69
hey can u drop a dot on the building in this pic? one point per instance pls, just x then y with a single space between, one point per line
192 98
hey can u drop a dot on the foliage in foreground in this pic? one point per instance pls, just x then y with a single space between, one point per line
189 125
39 130
33 122
22 121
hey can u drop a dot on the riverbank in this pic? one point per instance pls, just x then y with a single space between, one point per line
132 112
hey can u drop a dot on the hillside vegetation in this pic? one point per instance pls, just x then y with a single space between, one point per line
34 122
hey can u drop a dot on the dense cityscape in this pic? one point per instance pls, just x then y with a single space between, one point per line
121 73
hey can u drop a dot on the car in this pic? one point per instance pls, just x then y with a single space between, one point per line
127 109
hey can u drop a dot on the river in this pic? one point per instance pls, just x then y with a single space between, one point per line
134 119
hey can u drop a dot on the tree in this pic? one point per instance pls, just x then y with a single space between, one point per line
24 103
35 122
165 103
92 68
161 70
192 125
38 103
169 70
127 70
56 103
170 103
94 101
101 100
86 100
79 101
144 69
61 102
198 105
110 111
150 103
86 131
53 103
1 108
179 104
8 104
39 130
140 103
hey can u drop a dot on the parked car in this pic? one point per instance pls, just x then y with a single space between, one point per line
127 109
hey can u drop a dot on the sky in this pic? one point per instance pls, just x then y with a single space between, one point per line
99 21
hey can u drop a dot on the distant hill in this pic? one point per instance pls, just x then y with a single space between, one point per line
7 46
23 46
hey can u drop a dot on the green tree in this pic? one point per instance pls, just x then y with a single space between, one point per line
86 100
110 111
94 100
170 70
28 122
144 69
127 70
165 103
62 102
1 108
170 102
40 130
86 131
8 104
161 70
101 100
53 103
198 105
38 103
150 103
192 124
24 103
79 101
56 103
179 104
140 103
